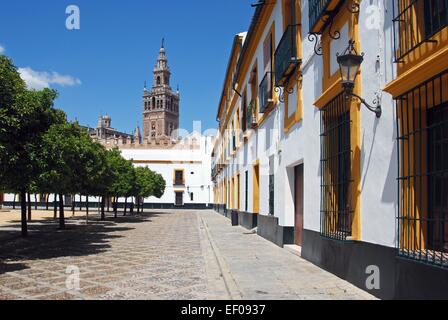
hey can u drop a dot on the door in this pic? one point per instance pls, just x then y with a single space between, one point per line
298 204
179 198
256 190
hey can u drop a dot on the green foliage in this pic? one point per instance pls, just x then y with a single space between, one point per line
149 183
123 172
41 153
25 115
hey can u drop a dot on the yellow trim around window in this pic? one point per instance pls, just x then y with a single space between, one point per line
297 116
331 86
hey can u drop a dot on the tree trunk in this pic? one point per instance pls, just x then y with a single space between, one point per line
108 204
132 206
103 204
116 207
35 202
14 202
55 206
23 207
125 205
29 207
73 205
143 205
138 204
61 212
87 207
47 203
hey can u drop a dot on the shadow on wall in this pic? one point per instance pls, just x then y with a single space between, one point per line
363 153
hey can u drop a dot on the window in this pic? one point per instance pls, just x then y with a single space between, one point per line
321 13
179 177
336 212
435 13
192 196
290 12
244 107
422 121
158 80
415 22
254 92
267 53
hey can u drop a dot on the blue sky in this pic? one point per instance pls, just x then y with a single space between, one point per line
101 68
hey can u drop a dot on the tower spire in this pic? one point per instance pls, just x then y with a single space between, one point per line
163 43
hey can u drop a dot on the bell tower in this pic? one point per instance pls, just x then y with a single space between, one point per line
160 103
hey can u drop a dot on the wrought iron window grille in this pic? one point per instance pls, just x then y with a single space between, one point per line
336 182
422 126
415 23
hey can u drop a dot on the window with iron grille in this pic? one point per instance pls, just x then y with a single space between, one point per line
415 22
422 122
336 211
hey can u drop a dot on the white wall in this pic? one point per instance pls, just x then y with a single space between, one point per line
302 143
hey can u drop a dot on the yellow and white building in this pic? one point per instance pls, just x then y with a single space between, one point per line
308 164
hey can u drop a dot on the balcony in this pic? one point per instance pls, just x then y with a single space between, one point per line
321 12
286 57
265 92
252 115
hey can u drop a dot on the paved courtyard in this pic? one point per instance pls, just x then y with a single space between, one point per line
157 255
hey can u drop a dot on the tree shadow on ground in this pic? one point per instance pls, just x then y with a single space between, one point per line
46 241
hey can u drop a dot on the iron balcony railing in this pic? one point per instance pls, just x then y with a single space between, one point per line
251 115
265 92
286 56
415 23
318 9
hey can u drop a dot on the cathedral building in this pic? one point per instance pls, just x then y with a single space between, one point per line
160 104
184 162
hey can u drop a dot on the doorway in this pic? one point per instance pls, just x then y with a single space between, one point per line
298 204
256 190
179 199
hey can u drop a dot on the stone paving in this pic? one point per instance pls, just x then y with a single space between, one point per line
167 255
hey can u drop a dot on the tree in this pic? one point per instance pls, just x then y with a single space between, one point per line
123 175
63 159
148 183
97 176
24 117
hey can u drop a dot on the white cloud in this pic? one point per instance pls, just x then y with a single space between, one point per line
2 49
39 80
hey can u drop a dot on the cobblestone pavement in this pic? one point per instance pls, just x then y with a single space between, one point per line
159 255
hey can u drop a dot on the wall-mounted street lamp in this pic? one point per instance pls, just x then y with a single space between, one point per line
349 63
